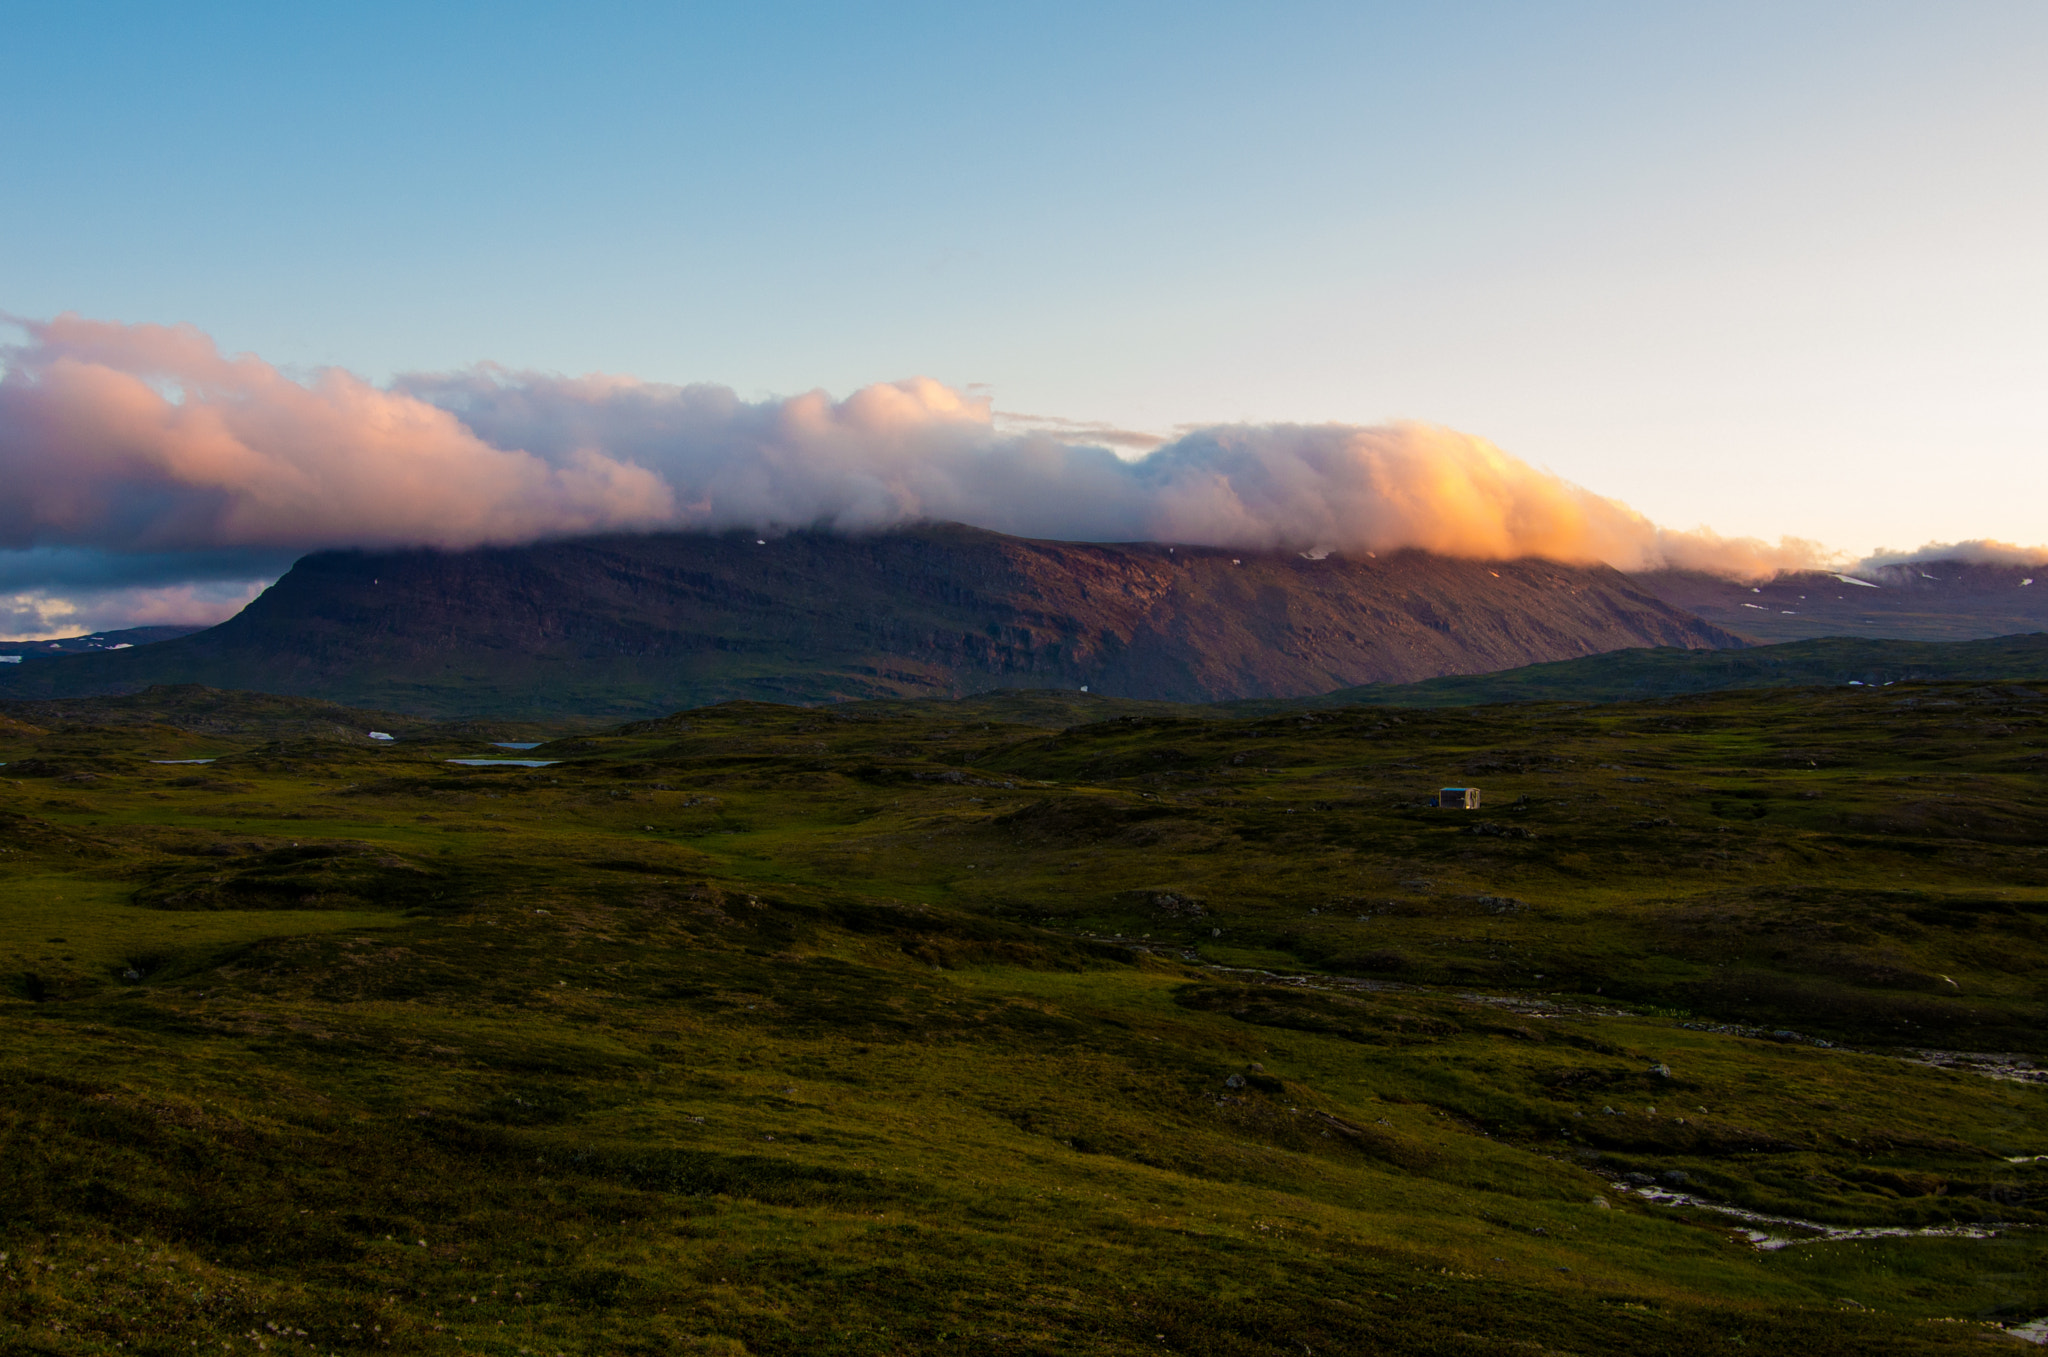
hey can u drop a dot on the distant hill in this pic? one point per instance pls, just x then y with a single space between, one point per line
1626 675
1921 601
206 711
121 639
626 626
1618 676
196 710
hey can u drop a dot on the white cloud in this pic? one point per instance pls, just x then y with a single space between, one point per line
145 438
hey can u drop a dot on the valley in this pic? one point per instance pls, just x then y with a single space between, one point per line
1034 1022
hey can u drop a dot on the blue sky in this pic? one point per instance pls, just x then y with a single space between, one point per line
1773 268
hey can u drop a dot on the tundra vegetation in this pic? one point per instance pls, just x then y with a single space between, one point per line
1027 1023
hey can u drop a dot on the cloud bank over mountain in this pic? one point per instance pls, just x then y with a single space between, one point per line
131 440
1977 552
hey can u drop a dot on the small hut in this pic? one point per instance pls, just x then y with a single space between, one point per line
1457 798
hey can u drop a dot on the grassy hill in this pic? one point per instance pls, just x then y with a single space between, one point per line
893 1028
1624 675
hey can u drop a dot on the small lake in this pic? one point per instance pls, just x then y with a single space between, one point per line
506 763
513 744
181 760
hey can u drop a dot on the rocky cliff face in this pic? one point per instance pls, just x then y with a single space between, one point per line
633 624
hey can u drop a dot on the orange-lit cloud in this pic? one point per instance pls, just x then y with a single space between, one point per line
146 438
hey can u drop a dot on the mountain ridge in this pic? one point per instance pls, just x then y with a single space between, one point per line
645 624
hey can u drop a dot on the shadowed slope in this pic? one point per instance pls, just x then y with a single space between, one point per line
637 625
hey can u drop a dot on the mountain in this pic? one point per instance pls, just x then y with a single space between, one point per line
634 625
1917 601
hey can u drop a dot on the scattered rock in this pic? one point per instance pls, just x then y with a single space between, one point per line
1234 1081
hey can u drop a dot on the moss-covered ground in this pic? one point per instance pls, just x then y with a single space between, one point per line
980 1027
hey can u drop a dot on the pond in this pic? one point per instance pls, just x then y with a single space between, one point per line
506 763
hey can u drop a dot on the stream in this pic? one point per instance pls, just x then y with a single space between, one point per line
1809 1231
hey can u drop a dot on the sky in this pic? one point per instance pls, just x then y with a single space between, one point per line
1623 271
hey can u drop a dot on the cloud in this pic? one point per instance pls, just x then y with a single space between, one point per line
919 450
146 439
93 570
1978 552
143 437
44 614
1079 430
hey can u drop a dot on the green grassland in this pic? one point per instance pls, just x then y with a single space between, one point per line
1028 1024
